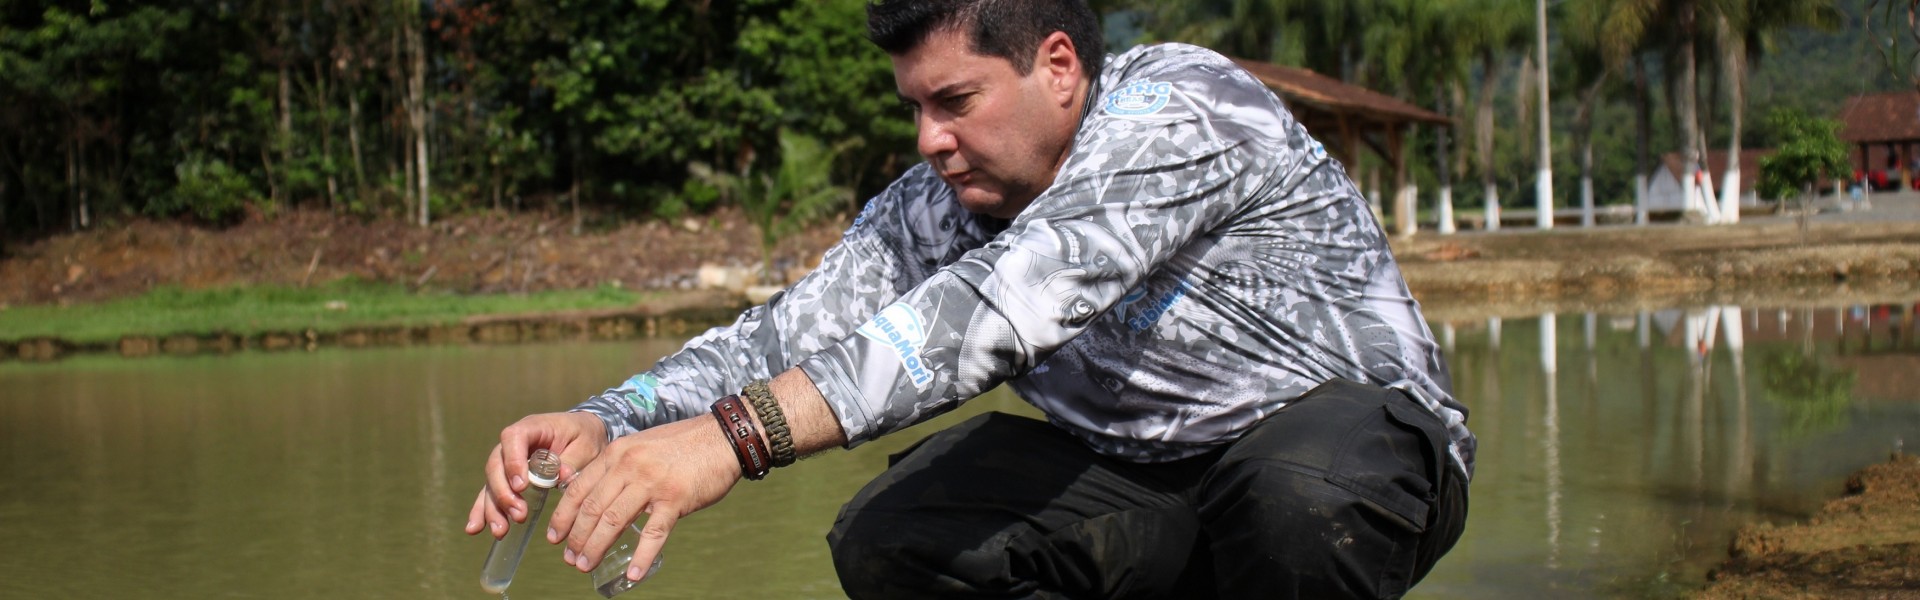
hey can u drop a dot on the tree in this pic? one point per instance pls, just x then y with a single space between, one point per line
1811 151
1745 30
797 191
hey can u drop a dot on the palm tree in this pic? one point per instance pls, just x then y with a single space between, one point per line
1745 30
1491 28
1588 62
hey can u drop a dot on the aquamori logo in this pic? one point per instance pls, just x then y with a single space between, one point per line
900 328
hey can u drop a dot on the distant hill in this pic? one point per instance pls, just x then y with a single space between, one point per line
1816 71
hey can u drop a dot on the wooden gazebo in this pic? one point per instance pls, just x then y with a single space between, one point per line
1348 117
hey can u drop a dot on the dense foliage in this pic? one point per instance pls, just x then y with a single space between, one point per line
207 109
193 107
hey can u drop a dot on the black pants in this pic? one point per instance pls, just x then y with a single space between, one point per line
1345 493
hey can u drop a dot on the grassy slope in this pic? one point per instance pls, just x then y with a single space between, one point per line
248 310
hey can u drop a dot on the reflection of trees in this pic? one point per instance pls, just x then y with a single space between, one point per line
1811 395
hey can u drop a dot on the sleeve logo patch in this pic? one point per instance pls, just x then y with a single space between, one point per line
901 329
640 392
1139 98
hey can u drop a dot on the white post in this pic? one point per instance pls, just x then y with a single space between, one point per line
1446 211
1543 182
1492 194
1640 199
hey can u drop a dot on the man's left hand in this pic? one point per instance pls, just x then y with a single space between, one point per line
668 472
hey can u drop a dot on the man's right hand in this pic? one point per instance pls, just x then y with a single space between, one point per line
577 438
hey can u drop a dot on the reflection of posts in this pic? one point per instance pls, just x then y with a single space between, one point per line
1549 339
1593 360
1549 366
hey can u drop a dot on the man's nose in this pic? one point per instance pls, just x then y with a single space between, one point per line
935 138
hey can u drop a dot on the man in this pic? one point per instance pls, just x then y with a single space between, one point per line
1243 398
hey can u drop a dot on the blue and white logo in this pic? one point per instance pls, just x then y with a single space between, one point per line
1139 98
640 391
900 328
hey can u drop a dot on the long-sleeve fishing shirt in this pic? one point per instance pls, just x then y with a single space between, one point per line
1198 263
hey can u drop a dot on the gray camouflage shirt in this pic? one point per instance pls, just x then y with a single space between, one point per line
1198 263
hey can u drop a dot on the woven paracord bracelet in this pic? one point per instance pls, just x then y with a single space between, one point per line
778 434
747 447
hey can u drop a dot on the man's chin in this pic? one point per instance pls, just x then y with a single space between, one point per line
987 202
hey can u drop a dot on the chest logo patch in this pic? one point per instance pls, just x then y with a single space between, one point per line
1143 97
901 329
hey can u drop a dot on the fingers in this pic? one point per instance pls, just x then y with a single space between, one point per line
581 486
653 537
510 478
603 515
485 516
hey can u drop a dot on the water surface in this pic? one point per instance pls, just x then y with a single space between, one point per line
1618 454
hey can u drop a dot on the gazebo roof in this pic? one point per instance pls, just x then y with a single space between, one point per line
1880 118
1303 86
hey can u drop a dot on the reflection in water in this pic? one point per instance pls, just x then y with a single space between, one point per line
1550 367
1645 465
1813 396
347 474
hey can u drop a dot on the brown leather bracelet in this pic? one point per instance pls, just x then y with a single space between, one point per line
747 445
760 398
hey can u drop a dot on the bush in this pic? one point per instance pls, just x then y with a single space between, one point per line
208 188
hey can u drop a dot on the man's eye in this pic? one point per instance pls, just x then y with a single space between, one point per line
956 103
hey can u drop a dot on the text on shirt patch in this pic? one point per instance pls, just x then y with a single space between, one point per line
901 329
1141 97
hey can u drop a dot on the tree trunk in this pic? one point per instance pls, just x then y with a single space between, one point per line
1583 131
1736 66
326 133
1643 127
1442 139
1483 135
286 121
86 208
417 94
353 137
73 187
1543 179
1685 104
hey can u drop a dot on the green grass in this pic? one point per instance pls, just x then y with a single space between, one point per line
337 306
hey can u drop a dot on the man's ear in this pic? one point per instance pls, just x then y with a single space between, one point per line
1061 63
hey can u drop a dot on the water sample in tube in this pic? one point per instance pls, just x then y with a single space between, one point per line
543 471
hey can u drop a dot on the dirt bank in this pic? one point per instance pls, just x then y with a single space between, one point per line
480 253
1863 545
1627 268
1513 271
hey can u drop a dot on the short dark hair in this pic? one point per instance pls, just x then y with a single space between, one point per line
1009 29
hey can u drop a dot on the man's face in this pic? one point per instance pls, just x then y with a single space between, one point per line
995 136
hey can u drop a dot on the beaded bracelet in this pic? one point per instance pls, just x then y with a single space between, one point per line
747 445
778 434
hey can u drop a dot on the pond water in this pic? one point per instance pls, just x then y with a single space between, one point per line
1618 455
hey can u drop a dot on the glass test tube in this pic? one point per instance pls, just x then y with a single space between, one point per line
610 578
543 471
